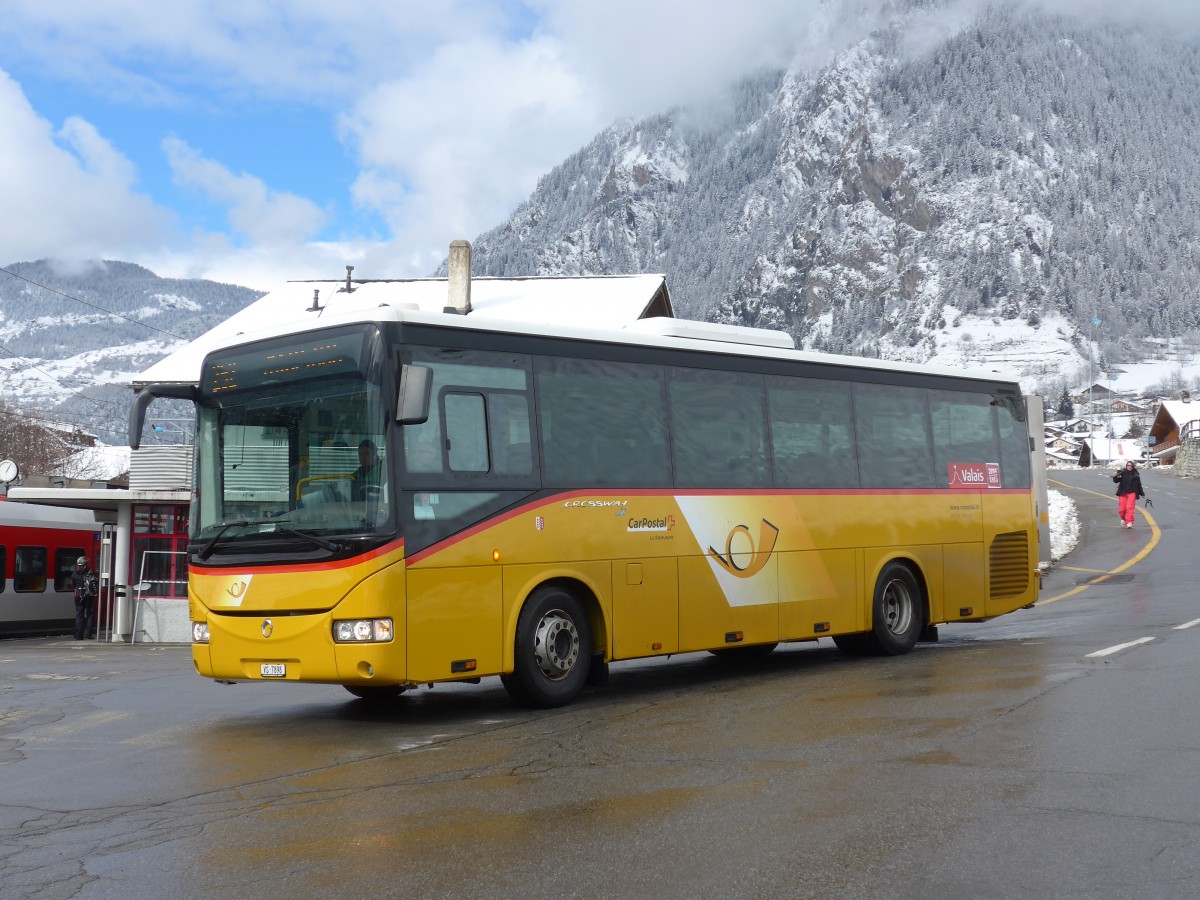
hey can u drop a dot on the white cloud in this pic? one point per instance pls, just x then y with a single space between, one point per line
451 149
292 49
254 211
69 191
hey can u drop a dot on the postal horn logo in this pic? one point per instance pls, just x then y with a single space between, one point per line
747 559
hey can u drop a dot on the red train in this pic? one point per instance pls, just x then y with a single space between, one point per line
38 549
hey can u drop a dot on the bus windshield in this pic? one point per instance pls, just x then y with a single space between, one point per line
291 440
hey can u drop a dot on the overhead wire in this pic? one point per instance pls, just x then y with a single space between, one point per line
109 407
92 305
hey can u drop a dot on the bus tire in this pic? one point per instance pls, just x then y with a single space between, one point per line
553 650
375 693
898 611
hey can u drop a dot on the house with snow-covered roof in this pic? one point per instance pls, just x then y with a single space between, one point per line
1166 432
1098 451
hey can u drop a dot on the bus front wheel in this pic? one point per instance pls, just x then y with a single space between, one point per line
553 650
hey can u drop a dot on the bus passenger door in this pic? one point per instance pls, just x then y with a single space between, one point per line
645 607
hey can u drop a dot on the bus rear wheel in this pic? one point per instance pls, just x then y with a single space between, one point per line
897 616
553 650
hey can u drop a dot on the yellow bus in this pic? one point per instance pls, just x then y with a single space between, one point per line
416 497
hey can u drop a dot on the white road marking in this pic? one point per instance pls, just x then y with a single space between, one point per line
1190 624
1119 647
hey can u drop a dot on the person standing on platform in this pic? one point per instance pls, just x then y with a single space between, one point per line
87 589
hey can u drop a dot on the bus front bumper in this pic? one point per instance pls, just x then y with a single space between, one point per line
293 648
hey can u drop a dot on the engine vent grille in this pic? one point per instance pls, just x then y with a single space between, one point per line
1009 569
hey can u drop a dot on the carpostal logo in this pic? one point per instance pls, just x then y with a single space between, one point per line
662 523
236 588
743 557
595 504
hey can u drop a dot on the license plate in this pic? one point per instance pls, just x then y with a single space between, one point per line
273 670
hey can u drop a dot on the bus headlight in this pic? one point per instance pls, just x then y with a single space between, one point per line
199 632
359 631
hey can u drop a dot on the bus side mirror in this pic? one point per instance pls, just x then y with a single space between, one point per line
416 385
137 413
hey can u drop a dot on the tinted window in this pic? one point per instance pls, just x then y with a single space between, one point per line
29 569
479 427
64 567
602 424
893 437
1014 442
3 567
466 432
812 434
718 429
963 430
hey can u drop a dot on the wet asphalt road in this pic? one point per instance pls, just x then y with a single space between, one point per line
1004 761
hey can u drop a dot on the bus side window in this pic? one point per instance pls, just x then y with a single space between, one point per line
466 432
812 433
1014 441
508 420
602 423
895 446
29 570
718 429
963 430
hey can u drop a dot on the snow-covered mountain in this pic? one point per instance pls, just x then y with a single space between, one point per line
981 199
72 340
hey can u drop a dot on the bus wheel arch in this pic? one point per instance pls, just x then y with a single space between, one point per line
553 645
899 612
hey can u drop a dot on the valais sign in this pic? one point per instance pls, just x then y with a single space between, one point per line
973 476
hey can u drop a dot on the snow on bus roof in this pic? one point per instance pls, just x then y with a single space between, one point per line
596 301
602 307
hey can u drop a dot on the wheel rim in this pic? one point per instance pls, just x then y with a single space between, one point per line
556 645
897 607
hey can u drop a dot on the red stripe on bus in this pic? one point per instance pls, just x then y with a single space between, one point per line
701 492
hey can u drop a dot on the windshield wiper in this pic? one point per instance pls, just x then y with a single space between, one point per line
207 550
331 546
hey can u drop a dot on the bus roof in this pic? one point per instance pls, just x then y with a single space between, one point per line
607 309
602 301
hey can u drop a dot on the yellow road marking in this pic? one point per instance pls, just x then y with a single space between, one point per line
1155 534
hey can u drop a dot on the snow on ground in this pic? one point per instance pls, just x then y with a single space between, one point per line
1064 525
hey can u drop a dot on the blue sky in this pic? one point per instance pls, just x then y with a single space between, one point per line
253 141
